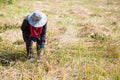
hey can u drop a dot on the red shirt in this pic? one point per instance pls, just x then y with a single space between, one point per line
35 32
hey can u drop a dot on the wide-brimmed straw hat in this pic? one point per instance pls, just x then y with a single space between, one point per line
37 19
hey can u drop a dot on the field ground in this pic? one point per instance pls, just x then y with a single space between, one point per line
82 40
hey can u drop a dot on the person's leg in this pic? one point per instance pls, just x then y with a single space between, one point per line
38 45
29 44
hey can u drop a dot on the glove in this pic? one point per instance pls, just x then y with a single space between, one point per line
42 46
33 39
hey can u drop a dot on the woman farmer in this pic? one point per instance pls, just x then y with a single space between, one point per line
34 30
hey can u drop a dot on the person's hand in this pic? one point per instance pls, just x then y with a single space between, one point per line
42 46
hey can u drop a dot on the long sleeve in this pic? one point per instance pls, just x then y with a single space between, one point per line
43 35
25 30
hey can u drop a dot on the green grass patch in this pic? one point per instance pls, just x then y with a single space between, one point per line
6 1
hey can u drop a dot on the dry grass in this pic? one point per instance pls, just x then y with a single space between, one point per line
82 41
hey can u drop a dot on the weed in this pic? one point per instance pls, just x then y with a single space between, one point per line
18 42
6 1
82 40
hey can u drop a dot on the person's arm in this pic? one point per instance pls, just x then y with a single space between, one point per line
43 35
25 30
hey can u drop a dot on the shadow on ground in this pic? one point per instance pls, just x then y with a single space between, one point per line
6 57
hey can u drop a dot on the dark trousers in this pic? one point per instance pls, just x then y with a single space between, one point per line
29 44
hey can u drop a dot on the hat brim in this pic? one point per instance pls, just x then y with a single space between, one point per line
40 23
